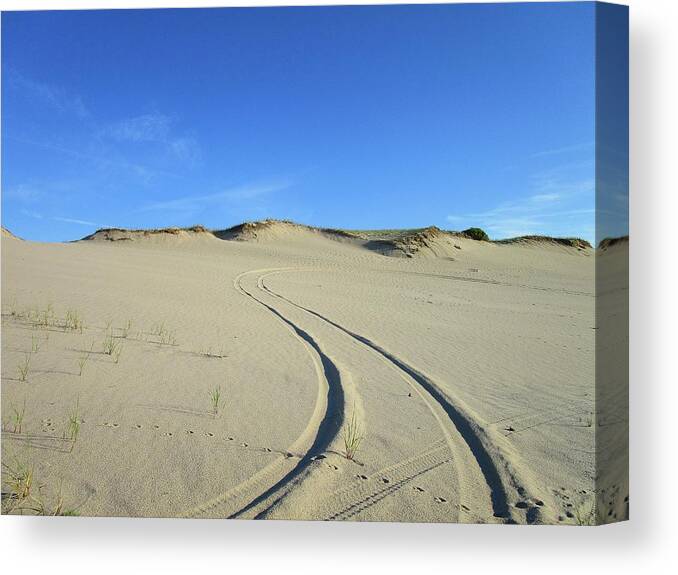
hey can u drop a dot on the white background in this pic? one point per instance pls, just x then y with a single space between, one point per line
646 544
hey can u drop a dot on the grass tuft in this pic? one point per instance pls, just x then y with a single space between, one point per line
21 494
36 344
59 508
18 484
18 418
46 318
126 329
73 321
168 338
165 337
586 512
73 423
83 359
24 367
215 398
353 437
13 309
111 345
116 352
158 329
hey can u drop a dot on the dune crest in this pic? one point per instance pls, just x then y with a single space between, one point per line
7 234
163 234
534 240
607 243
275 230
419 243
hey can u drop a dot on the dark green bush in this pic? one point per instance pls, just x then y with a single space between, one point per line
476 234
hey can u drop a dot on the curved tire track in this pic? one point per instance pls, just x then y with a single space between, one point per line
472 435
273 480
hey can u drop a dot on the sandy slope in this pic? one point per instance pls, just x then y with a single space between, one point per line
470 376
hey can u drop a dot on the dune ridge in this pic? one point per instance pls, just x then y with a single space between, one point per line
123 234
7 234
429 242
607 243
577 243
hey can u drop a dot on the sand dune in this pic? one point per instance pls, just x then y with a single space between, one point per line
162 235
454 360
7 234
430 242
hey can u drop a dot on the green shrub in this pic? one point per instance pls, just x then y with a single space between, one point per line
476 234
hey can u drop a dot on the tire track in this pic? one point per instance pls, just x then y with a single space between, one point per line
348 502
272 481
473 436
489 282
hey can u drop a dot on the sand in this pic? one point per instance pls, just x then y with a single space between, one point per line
466 367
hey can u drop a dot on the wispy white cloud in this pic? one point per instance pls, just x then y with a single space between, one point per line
186 150
230 195
545 197
127 156
99 158
75 221
144 128
22 193
39 216
154 128
582 146
557 207
55 97
31 214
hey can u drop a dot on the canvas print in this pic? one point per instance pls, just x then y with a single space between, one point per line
350 263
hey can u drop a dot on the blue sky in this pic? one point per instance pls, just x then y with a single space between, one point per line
351 117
